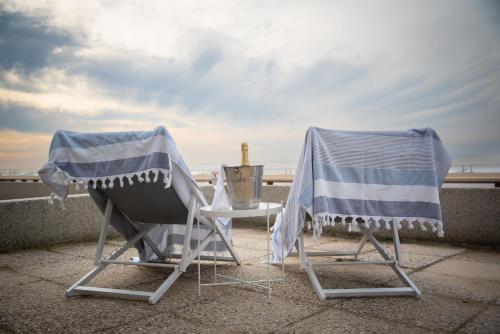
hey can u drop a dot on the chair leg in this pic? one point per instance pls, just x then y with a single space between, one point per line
187 256
186 248
104 232
148 240
165 286
396 267
84 280
397 246
302 252
361 244
77 287
410 289
80 288
314 280
155 249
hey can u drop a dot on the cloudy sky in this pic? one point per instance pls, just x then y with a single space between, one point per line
221 72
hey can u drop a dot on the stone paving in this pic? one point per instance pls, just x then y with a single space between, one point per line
461 293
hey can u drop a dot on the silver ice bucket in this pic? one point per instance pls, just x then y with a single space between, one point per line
244 184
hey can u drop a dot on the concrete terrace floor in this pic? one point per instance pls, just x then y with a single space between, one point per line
461 293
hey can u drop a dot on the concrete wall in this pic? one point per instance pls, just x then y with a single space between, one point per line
471 216
18 190
31 223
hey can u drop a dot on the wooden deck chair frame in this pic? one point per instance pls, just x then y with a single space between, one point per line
187 257
394 262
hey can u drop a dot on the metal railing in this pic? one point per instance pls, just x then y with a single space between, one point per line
479 178
475 168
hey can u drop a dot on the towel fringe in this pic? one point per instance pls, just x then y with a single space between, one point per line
51 198
108 181
168 178
375 222
422 226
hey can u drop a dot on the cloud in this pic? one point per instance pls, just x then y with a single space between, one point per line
28 44
25 118
21 117
252 71
202 85
206 60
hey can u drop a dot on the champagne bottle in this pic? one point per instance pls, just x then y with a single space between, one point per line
244 154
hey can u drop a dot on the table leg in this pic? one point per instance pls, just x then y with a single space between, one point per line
282 244
199 254
268 260
215 252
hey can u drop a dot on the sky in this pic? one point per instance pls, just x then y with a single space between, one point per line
218 73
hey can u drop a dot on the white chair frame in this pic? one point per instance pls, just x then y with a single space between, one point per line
186 258
410 288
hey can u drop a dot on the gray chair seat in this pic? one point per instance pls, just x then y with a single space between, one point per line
148 202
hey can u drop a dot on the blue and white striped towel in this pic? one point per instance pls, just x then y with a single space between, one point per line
376 176
102 159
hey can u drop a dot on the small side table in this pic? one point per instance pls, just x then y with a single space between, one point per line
265 209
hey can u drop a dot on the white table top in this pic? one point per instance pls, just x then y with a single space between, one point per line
262 210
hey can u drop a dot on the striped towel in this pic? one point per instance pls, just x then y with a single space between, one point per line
96 159
112 158
376 176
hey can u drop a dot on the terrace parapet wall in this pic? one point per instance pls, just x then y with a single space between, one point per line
470 216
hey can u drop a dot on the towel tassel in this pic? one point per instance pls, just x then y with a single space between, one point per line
440 230
422 226
51 199
168 178
433 227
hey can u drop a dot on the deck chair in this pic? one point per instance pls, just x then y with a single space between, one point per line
146 205
145 190
366 181
394 262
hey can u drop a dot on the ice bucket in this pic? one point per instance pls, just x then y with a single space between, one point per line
244 184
